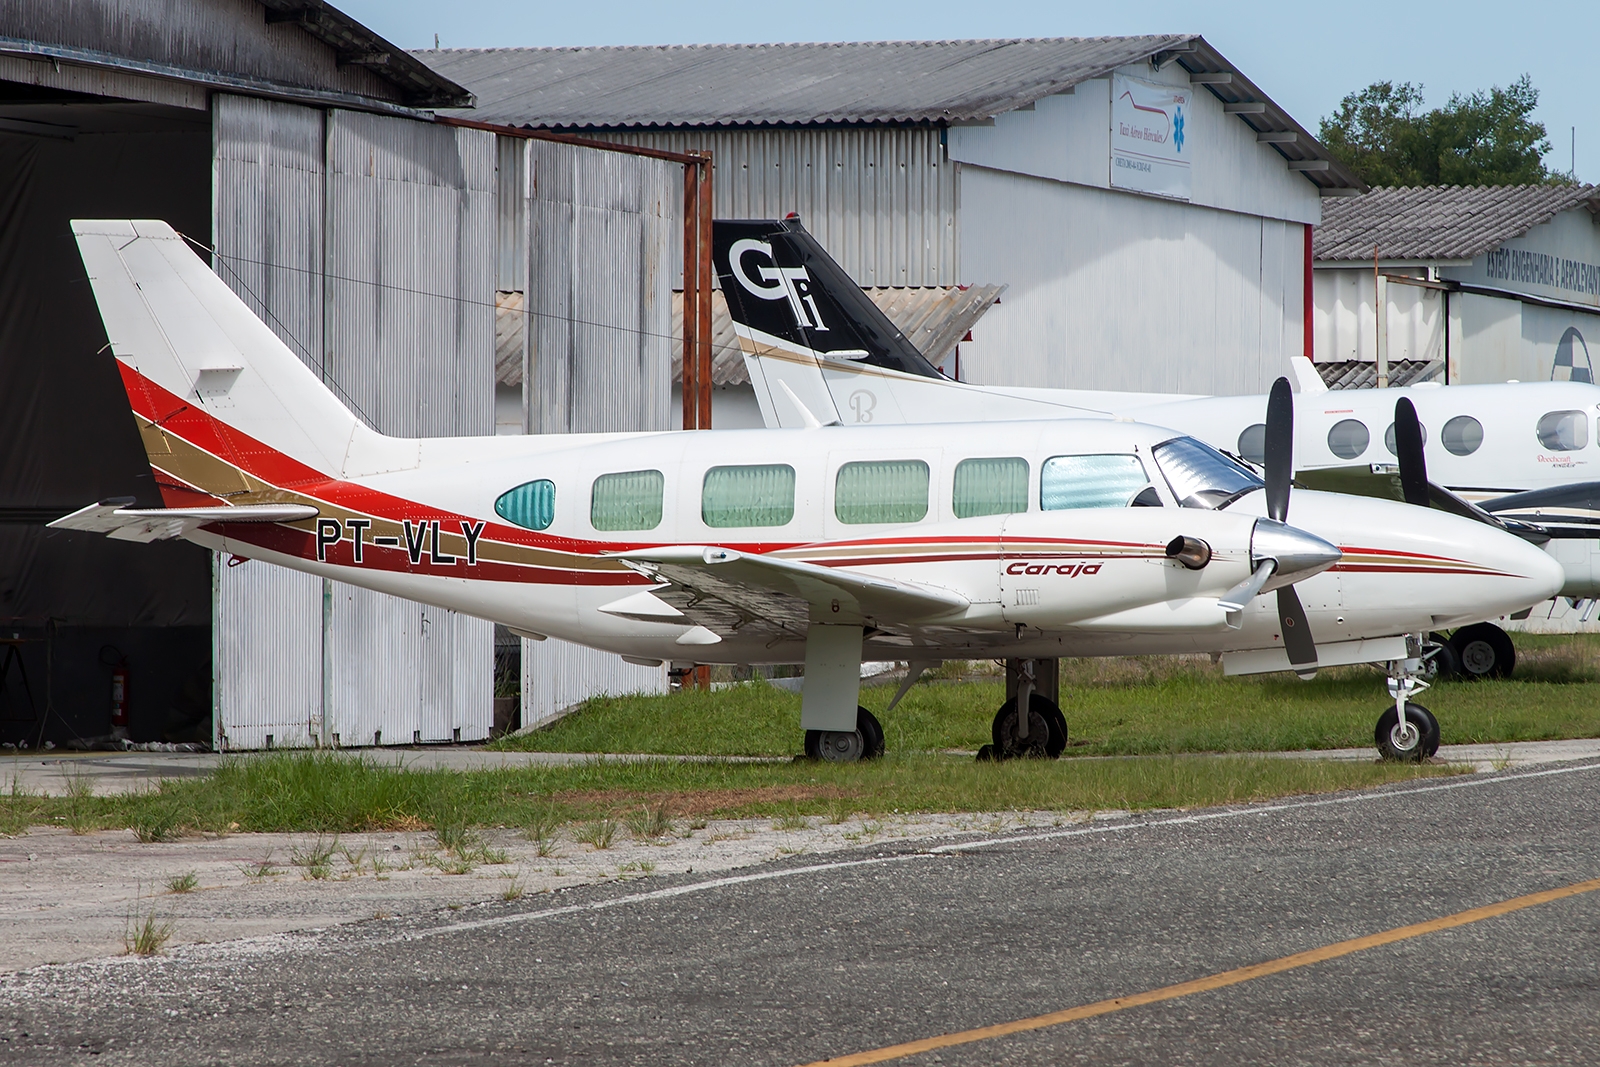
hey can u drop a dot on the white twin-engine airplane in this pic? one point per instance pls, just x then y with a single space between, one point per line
822 546
819 350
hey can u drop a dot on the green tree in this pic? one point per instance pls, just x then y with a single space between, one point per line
1384 135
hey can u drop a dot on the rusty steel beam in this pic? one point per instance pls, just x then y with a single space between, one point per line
703 289
691 295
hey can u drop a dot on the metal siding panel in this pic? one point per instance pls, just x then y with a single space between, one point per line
269 657
412 346
601 230
1201 322
882 201
556 675
267 229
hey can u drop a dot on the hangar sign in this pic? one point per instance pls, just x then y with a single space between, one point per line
1150 148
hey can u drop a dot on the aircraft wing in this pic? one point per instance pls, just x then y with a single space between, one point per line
160 524
725 590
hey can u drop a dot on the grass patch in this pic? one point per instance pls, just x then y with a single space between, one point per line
187 882
1135 706
146 935
328 794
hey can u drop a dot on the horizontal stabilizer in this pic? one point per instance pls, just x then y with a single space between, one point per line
161 524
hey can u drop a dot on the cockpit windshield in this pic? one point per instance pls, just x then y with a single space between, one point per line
1202 477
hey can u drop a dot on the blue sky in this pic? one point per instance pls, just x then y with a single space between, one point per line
1306 56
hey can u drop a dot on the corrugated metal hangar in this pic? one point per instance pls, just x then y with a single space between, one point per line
373 240
1181 251
1461 284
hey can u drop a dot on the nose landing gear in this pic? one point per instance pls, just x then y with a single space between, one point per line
1407 732
1040 734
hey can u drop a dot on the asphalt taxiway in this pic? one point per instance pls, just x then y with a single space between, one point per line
1441 921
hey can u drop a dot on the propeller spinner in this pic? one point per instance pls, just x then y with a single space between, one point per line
1282 554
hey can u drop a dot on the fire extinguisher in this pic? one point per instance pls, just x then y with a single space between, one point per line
112 657
119 695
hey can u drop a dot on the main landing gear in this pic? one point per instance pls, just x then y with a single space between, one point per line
847 746
1407 732
1040 734
1482 650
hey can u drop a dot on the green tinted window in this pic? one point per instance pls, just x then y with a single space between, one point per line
627 501
531 504
1090 482
893 490
757 495
997 486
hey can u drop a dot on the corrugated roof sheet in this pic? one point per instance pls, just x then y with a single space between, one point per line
1359 374
845 83
934 318
1439 221
720 84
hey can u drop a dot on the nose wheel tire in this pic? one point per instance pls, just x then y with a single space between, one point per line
1484 651
847 746
1047 732
1413 743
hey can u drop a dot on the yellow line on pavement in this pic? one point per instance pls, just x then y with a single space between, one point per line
1215 981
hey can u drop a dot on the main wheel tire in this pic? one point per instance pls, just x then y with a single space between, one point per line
871 732
1484 651
1441 661
1419 741
1047 730
847 746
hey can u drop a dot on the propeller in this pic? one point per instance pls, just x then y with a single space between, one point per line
1282 549
1408 449
1416 489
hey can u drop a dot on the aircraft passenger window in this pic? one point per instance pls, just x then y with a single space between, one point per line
891 490
1563 431
1348 438
1067 482
995 486
1388 438
531 504
1202 477
627 501
1462 435
1253 443
757 495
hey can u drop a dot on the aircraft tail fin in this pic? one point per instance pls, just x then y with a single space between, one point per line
1306 378
793 307
225 409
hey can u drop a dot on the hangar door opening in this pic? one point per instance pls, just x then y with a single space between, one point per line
78 609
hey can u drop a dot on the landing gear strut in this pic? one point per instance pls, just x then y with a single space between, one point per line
1040 734
847 746
1407 732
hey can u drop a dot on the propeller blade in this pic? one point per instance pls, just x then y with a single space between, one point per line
1296 630
1279 445
1408 446
1236 598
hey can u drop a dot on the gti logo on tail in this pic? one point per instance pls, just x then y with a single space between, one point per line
792 283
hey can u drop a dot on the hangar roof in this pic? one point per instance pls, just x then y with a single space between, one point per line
1440 221
853 83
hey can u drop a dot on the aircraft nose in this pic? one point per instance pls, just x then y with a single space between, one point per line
1298 554
1539 567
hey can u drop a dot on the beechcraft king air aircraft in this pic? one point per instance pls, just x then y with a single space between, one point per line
1522 451
822 546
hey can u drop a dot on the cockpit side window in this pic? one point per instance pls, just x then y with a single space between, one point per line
1104 481
1202 477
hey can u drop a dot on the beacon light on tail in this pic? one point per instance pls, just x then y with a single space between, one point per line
824 546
